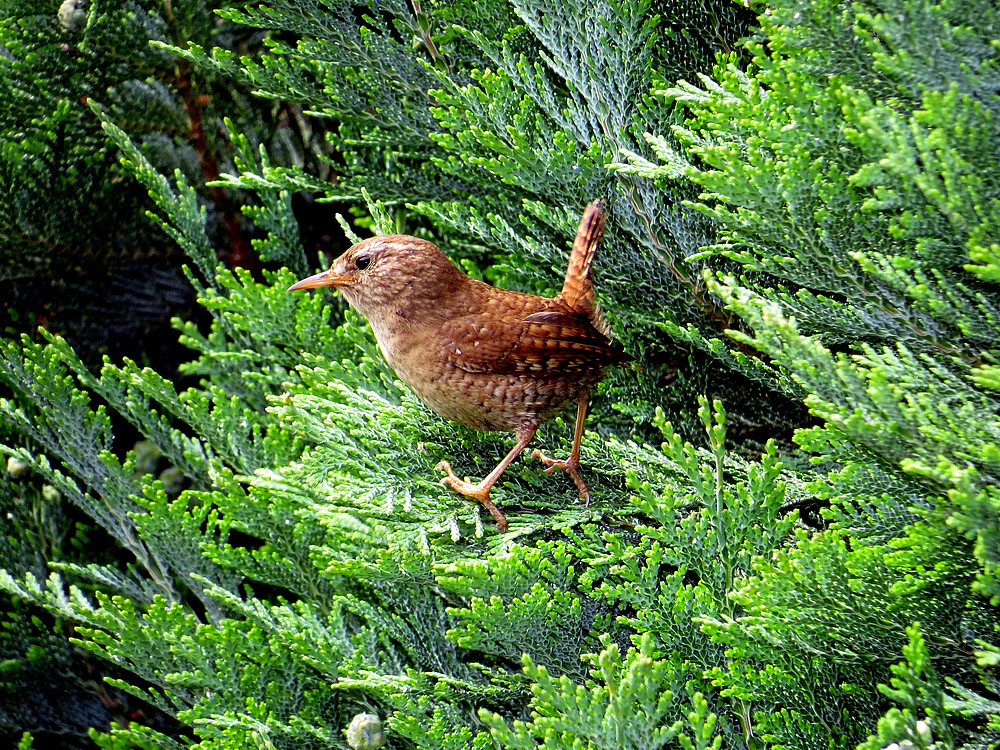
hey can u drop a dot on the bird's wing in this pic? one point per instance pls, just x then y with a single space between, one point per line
554 340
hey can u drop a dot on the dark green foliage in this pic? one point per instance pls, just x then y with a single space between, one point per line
498 124
857 195
728 586
53 147
76 245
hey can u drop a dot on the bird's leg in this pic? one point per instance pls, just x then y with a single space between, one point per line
571 465
481 492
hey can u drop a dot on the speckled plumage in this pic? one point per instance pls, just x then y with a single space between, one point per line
487 358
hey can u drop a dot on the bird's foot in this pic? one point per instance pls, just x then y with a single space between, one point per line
571 466
480 492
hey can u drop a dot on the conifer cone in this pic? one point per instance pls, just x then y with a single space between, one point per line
487 358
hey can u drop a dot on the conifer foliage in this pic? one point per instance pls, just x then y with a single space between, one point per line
803 235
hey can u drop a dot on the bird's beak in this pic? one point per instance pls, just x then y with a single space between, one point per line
324 278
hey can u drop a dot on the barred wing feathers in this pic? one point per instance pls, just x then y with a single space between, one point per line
554 340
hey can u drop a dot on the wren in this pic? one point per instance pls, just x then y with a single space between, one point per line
487 358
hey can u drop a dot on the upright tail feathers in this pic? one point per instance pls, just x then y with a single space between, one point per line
578 291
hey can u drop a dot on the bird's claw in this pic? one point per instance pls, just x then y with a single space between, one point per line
551 463
479 492
465 486
570 466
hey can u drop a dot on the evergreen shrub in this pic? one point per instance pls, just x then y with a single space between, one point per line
792 541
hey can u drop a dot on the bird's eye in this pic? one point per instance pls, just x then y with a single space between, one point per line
362 262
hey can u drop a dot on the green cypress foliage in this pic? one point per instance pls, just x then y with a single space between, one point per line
852 174
76 243
824 194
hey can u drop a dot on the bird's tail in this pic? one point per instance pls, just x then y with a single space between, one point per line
578 291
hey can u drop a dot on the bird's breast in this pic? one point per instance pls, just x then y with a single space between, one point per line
480 400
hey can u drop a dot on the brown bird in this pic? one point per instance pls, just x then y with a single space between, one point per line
487 358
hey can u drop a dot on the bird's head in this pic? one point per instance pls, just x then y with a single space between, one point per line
387 272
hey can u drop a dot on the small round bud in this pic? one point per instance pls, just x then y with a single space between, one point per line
924 733
71 14
173 481
146 456
50 494
17 468
365 732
